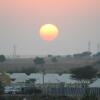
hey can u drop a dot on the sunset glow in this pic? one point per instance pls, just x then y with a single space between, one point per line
48 32
21 22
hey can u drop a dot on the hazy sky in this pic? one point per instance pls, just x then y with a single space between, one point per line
20 20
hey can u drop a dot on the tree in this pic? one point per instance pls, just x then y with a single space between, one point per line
1 88
54 59
31 81
83 55
2 58
40 61
5 79
1 91
84 73
50 55
87 72
28 70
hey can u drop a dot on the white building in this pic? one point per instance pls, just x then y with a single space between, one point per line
18 77
95 84
37 77
66 78
50 79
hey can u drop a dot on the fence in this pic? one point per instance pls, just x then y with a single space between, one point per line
30 97
72 91
54 94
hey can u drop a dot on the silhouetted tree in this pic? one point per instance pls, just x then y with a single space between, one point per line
31 81
83 54
2 58
40 61
84 73
29 70
87 72
1 91
50 55
54 59
1 88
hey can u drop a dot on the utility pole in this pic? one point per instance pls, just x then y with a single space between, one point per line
98 47
14 51
89 46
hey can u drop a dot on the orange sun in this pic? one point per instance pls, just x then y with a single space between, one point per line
49 32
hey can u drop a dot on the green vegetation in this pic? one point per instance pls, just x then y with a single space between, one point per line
2 58
1 88
40 61
54 59
29 70
84 73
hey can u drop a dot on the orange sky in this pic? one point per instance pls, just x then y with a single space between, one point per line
20 18
44 7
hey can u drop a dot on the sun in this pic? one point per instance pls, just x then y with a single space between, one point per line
49 32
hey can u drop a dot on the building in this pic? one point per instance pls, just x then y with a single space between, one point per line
95 84
18 77
53 79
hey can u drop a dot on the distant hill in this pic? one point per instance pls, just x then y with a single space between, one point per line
61 64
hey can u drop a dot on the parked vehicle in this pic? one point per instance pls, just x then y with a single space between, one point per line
12 90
